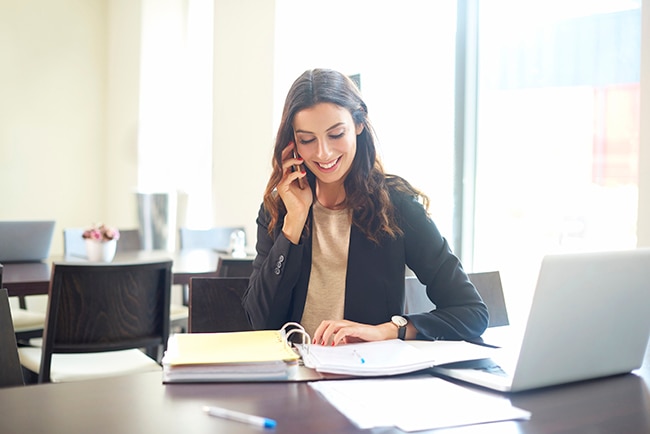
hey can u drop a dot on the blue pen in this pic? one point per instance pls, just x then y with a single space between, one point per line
359 356
240 417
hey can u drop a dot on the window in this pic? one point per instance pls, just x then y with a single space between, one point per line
175 132
557 133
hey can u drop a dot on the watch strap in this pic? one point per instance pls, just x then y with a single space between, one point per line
401 333
401 324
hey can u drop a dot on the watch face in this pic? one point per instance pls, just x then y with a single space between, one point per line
399 321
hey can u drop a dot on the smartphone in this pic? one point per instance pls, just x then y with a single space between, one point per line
296 168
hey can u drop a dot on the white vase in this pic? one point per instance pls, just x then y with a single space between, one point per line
100 251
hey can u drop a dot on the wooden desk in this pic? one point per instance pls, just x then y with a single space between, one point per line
30 278
142 404
23 279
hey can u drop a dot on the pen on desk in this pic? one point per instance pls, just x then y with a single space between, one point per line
240 417
359 356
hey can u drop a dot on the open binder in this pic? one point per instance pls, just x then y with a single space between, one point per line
390 357
271 355
366 359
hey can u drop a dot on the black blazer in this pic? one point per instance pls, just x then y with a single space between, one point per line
375 278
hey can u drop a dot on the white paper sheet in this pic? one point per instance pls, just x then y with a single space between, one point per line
415 403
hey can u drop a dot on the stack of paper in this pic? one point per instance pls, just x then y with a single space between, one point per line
426 403
238 356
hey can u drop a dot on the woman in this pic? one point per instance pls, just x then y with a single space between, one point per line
335 232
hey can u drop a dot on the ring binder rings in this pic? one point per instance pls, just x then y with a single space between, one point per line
299 330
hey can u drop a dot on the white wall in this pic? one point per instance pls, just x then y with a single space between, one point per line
122 112
53 74
243 107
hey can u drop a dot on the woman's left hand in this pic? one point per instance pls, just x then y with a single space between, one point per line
331 332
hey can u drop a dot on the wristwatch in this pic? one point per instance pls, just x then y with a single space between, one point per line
400 322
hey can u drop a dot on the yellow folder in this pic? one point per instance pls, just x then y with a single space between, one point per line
229 348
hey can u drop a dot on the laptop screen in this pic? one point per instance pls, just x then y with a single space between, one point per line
25 241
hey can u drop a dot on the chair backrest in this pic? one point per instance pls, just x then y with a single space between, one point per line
73 243
488 285
416 299
234 267
216 238
106 306
129 241
10 371
215 305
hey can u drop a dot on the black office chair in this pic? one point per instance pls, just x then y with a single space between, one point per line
131 241
234 267
215 304
10 370
488 285
216 238
108 312
26 324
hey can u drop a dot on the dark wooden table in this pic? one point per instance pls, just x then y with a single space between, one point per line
33 278
142 404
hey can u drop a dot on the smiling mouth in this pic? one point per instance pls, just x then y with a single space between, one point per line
328 165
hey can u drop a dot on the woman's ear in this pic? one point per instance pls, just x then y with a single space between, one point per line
359 129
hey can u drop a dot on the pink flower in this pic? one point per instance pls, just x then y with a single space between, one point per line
101 233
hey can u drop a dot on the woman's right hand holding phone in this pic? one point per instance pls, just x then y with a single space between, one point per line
297 200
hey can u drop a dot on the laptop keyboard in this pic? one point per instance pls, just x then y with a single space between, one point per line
484 365
492 369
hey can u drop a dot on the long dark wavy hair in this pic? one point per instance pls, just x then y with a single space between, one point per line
366 185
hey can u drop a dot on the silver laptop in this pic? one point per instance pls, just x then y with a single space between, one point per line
588 319
25 241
